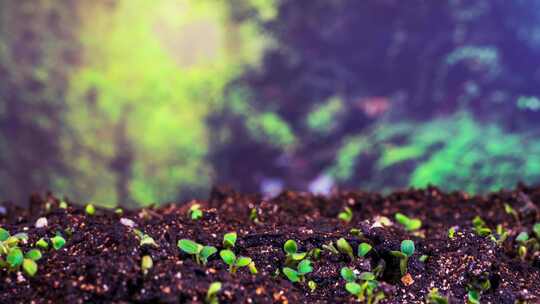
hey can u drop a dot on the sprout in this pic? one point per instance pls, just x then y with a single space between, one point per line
63 205
480 226
423 258
451 232
90 209
407 250
234 262
42 243
330 247
348 274
58 242
304 267
253 215
536 230
366 286
229 240
4 234
252 268
212 293
200 252
501 235
29 267
473 297
146 263
312 285
8 242
292 255
15 257
434 297
522 239
410 224
364 249
479 284
195 212
346 215
344 247
509 210
315 253
119 211
33 254
356 232
145 239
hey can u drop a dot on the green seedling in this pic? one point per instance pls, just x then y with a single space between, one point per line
58 242
298 275
434 297
473 297
346 215
312 285
8 241
536 230
234 262
523 240
29 267
252 268
500 235
195 212
479 284
229 240
364 249
145 239
292 256
410 224
510 211
90 209
451 232
15 259
253 215
42 243
480 226
63 205
344 247
315 253
331 248
407 250
363 289
118 211
200 252
212 293
356 232
423 258
348 274
146 264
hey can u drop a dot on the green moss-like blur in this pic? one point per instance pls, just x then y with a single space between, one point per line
135 102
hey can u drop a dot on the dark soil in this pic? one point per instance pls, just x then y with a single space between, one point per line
101 259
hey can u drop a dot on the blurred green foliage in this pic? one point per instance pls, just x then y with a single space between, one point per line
134 102
147 86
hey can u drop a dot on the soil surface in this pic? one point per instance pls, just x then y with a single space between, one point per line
101 260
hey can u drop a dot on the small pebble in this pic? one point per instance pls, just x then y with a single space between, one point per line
41 222
127 222
20 277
